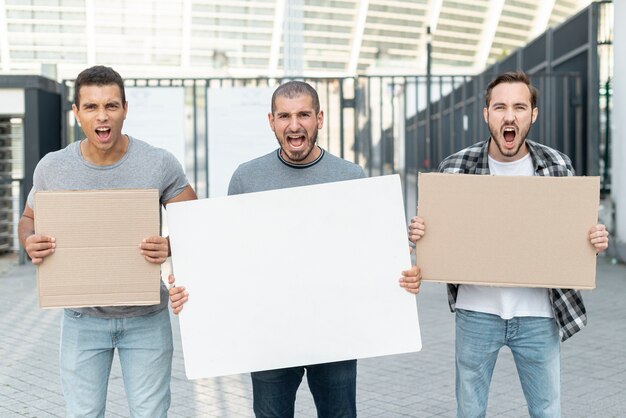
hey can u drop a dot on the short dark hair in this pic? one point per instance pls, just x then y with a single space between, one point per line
293 89
512 77
98 75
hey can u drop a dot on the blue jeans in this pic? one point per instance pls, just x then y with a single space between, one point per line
333 386
144 346
535 344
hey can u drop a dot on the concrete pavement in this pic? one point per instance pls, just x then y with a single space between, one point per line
410 385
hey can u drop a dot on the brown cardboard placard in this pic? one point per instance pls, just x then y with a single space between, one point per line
97 261
524 231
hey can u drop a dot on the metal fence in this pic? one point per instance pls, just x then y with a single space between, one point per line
387 124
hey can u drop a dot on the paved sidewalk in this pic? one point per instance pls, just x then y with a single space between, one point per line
411 385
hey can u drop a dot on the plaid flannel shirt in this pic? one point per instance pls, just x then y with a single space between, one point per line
567 304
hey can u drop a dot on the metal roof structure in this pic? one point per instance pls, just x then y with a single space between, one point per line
191 38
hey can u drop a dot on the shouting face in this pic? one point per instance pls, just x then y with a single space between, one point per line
509 117
101 115
295 125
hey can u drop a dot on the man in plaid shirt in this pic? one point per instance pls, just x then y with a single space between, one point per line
530 321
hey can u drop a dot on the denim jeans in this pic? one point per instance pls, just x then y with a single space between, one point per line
535 344
333 386
144 346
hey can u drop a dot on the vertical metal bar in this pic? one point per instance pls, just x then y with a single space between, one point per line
327 115
440 122
429 151
417 153
382 132
355 114
606 174
370 127
195 137
566 109
579 128
22 251
479 88
341 127
546 105
206 138
417 112
593 99
453 135
392 136
550 95
463 113
65 107
405 123
544 122
552 82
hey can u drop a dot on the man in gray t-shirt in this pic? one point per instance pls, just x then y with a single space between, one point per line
295 119
106 159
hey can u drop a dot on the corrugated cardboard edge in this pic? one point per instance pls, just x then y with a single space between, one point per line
500 284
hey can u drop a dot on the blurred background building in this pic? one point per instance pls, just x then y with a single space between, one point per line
206 38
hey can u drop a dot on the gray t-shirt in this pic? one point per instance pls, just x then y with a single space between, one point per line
271 172
142 167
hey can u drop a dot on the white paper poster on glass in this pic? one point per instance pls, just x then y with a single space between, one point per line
156 115
239 131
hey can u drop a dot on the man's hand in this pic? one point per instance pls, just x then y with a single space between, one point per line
599 238
39 246
416 229
178 296
155 249
411 280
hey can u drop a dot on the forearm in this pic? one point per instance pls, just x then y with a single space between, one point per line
25 228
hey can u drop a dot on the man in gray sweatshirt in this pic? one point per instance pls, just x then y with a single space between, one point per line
296 119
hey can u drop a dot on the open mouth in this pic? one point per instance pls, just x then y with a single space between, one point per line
103 133
296 140
509 136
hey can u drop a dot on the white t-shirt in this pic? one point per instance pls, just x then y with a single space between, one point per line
506 302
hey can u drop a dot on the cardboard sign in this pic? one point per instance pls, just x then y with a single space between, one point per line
292 277
97 261
508 230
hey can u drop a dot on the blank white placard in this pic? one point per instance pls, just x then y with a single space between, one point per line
293 277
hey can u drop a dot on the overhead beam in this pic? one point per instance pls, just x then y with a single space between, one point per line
185 56
90 31
357 39
490 27
542 18
277 35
